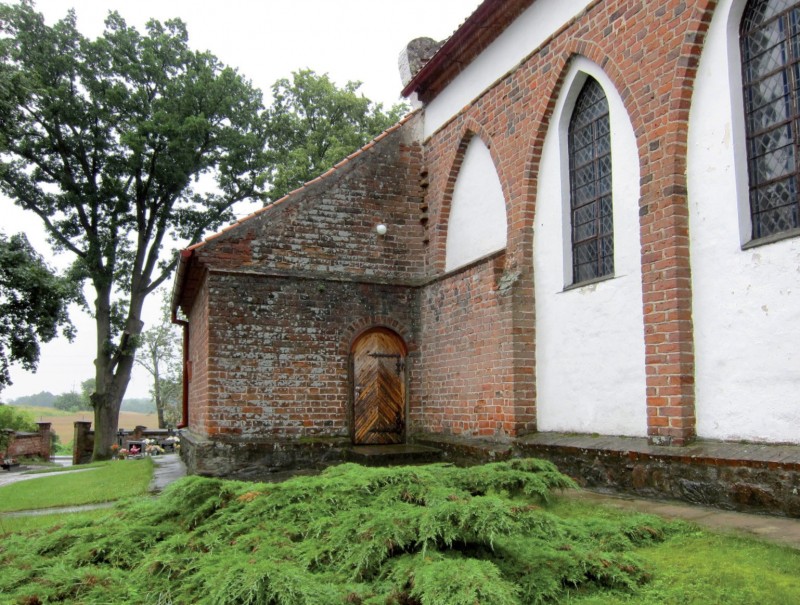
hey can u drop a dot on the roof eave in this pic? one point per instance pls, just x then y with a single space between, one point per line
479 30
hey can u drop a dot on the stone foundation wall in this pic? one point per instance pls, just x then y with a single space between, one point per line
258 459
742 485
743 477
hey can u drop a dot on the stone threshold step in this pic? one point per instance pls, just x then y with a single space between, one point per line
391 454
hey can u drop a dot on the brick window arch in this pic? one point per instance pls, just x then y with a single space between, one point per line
770 47
591 220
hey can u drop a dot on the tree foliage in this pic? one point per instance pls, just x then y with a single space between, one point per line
74 401
13 419
313 124
70 401
43 399
106 141
33 304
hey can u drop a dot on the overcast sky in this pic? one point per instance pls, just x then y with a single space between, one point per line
265 40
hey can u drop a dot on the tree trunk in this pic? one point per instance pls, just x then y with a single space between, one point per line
106 419
113 367
157 393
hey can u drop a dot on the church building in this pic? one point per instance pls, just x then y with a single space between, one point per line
588 227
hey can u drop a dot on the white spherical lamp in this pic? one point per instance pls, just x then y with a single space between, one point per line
381 229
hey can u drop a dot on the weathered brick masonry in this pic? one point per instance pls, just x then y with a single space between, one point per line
466 378
288 377
275 303
29 445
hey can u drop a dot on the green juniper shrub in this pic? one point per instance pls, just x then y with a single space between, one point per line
423 535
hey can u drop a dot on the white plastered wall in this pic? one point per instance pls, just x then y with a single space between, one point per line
477 225
590 371
523 36
746 303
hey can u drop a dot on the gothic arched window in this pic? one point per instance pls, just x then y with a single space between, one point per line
770 45
590 185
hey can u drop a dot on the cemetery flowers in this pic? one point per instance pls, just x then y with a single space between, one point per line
152 448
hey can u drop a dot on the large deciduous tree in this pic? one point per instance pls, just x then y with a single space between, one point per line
33 304
105 141
313 124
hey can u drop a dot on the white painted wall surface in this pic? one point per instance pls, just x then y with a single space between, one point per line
746 303
590 371
529 30
477 225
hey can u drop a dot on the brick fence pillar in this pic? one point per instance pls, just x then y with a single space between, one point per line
46 446
83 441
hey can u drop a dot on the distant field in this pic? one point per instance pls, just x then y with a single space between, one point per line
63 421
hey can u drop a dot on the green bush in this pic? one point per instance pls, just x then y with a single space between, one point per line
432 535
16 419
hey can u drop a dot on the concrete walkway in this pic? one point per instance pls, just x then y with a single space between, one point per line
779 530
9 477
168 468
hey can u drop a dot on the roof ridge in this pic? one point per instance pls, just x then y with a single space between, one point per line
335 168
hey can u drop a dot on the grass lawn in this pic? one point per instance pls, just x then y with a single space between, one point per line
100 482
697 567
437 535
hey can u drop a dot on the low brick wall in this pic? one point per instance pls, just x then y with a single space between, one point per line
83 442
30 445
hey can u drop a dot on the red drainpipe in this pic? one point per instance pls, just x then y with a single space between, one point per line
185 257
185 403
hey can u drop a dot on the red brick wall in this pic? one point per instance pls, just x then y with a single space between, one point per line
328 227
650 51
287 291
465 378
279 351
30 445
198 361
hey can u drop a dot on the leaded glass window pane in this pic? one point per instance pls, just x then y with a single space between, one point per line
770 43
590 185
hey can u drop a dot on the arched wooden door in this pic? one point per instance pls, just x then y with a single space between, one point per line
379 388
